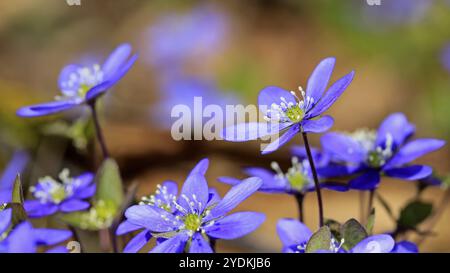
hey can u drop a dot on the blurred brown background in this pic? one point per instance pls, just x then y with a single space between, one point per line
397 53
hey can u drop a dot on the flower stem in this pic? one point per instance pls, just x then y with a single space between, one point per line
300 197
98 130
370 206
75 236
315 177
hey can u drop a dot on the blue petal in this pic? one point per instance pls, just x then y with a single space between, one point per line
235 196
397 126
50 237
111 80
36 209
320 158
292 232
319 78
84 180
283 139
116 60
5 196
127 227
199 244
413 150
201 167
270 182
214 197
195 189
138 242
85 192
15 166
413 173
229 180
405 247
334 186
252 130
46 108
172 187
235 225
175 244
320 125
343 148
333 93
375 244
273 94
151 218
336 170
367 181
72 205
5 220
21 239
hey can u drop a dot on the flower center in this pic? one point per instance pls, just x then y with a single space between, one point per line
192 222
50 190
81 81
290 111
297 175
377 156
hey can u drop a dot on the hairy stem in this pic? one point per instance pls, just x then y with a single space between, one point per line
98 130
316 179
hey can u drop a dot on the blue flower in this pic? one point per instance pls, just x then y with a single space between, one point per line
385 152
23 238
297 180
65 196
405 247
192 219
84 84
176 38
295 235
15 166
287 114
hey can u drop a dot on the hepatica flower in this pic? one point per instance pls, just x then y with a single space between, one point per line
288 114
383 152
66 195
23 238
295 235
297 180
188 222
84 84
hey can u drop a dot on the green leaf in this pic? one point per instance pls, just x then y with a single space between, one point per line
352 232
370 222
321 240
109 184
335 228
414 213
17 193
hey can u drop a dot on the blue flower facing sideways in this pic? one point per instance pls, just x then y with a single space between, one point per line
23 238
189 222
384 152
66 196
84 84
298 180
286 114
295 235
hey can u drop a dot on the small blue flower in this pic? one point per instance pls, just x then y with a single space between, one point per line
83 84
196 216
287 114
15 166
385 152
297 180
23 238
65 196
295 235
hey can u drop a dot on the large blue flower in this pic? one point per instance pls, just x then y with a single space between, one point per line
23 238
297 180
295 235
15 166
196 216
65 196
287 114
385 152
82 84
